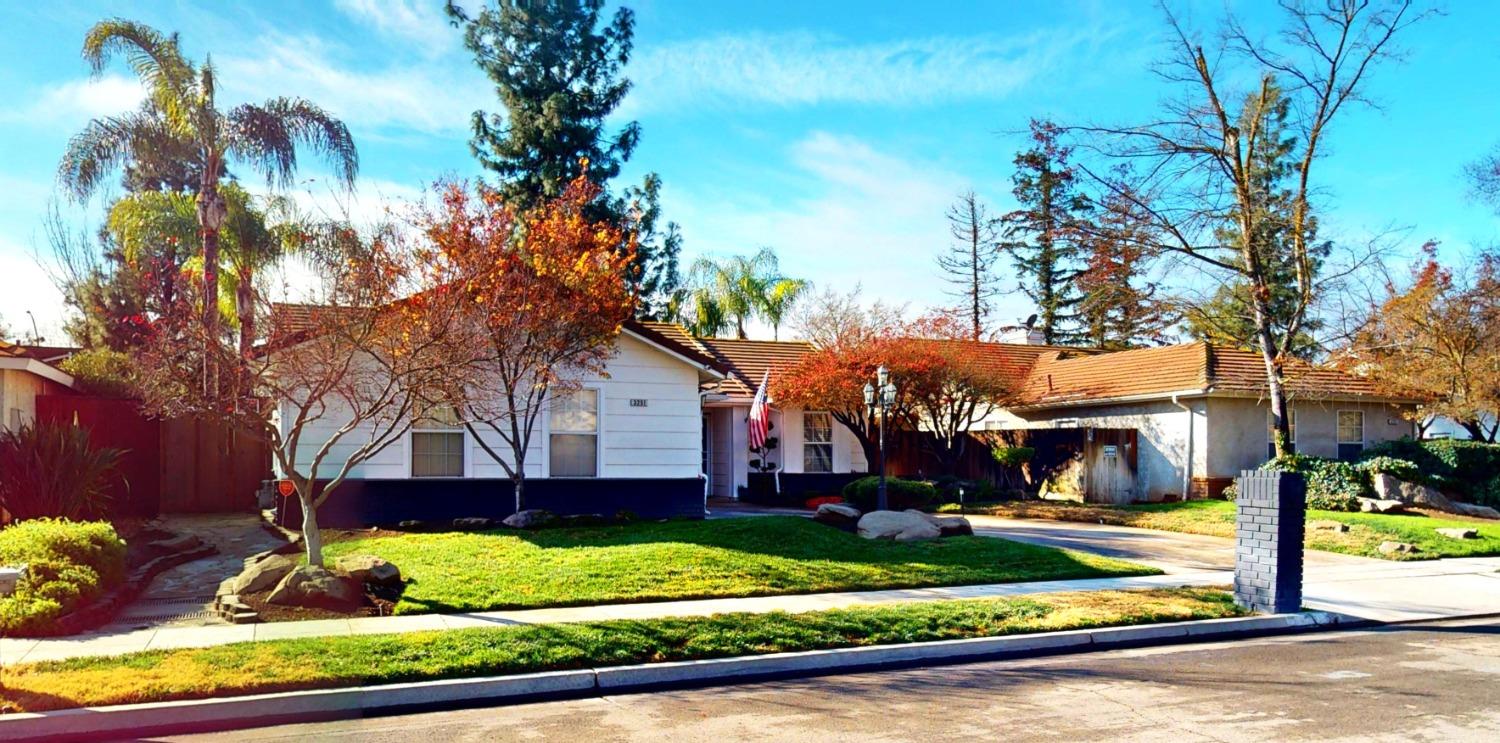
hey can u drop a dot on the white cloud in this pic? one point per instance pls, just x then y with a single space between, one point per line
430 98
29 287
419 22
804 68
79 100
866 217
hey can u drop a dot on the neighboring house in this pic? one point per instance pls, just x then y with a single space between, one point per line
25 373
1158 421
814 453
630 439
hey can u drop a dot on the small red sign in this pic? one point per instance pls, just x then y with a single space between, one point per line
286 488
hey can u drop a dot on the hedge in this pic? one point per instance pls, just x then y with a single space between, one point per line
900 494
68 563
1469 470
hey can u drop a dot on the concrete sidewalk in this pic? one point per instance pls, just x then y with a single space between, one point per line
13 651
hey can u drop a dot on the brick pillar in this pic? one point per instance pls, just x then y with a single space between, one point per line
1272 510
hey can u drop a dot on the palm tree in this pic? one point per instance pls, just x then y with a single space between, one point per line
730 292
180 116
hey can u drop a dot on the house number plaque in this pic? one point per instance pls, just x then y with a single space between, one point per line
637 402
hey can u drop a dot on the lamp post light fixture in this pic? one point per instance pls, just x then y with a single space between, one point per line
881 396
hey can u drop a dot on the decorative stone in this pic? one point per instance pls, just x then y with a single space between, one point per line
1410 493
1459 533
1396 548
1328 525
1381 505
9 577
474 523
530 518
1476 511
838 516
369 569
263 575
902 526
315 587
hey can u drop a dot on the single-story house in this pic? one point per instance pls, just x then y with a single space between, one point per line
630 439
1160 421
25 373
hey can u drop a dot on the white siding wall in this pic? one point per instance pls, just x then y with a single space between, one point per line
18 391
660 440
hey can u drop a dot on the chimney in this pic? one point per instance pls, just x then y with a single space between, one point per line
1021 335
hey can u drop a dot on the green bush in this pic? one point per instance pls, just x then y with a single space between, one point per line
1469 470
102 372
1012 456
68 563
1332 485
1400 469
900 494
51 470
948 488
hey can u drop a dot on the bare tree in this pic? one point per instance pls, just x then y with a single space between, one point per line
968 263
1197 169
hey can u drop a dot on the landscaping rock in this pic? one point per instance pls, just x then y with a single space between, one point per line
474 523
1478 512
838 516
316 587
1393 548
1381 505
950 526
1327 525
263 575
411 525
369 569
1410 493
902 526
530 518
1458 533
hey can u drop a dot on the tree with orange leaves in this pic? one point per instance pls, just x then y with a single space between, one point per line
951 388
1442 330
543 298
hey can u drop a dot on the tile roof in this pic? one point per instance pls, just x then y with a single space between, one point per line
748 361
49 354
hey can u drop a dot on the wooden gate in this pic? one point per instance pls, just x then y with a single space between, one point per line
1110 464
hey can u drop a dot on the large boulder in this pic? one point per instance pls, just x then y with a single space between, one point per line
1388 487
262 574
318 588
1381 505
838 516
530 518
1478 512
950 526
902 526
369 570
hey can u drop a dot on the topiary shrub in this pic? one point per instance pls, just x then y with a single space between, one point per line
51 470
68 563
900 494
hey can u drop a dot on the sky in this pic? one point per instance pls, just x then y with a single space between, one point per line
835 132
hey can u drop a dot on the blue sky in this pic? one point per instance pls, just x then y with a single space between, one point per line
836 132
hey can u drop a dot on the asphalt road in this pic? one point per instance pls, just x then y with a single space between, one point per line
1436 681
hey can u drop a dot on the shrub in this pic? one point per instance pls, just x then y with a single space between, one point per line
68 563
1469 470
900 494
102 372
1332 485
51 470
1012 456
1400 469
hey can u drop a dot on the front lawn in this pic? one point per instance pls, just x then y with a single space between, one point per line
759 556
1216 518
325 662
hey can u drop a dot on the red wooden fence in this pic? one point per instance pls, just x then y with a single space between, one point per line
171 466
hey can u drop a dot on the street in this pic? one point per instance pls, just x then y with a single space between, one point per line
1434 681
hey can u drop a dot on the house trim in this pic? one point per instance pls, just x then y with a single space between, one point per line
39 368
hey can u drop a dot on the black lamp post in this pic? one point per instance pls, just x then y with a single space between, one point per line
887 397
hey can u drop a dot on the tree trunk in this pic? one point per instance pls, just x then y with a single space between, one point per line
311 536
1282 435
211 281
520 487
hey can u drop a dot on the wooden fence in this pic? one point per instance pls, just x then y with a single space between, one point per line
181 465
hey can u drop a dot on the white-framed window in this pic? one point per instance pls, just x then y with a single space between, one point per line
817 442
437 443
1291 423
1351 434
573 435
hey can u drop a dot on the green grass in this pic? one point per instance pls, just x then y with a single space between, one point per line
1216 518
758 556
262 667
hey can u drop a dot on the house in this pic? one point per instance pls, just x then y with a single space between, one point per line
1154 423
629 439
813 453
25 373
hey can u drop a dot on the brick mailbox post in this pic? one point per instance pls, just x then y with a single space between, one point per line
1272 510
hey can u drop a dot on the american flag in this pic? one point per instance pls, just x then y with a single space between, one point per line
760 415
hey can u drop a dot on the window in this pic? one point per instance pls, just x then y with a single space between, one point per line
1291 425
817 442
437 444
1351 434
574 449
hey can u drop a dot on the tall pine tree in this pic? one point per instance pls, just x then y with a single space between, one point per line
968 263
1044 238
1119 308
556 66
1226 317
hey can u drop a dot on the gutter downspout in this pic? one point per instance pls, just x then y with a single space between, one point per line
1187 465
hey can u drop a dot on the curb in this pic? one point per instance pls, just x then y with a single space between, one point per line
204 715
